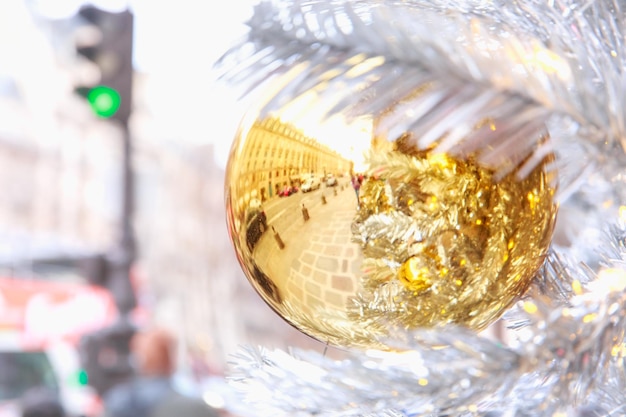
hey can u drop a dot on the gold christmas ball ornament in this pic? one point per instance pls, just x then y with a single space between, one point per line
347 234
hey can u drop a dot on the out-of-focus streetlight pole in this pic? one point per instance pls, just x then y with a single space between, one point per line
111 99
124 253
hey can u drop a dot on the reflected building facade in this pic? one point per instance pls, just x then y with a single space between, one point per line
278 155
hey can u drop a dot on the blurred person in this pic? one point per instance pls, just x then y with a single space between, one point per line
41 402
151 392
356 184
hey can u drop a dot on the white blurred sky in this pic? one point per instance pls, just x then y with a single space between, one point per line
202 33
184 28
178 43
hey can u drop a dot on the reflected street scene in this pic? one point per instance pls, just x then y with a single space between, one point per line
298 250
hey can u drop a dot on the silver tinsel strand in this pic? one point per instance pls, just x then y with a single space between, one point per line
551 64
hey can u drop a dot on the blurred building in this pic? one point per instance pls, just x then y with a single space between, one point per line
58 165
61 177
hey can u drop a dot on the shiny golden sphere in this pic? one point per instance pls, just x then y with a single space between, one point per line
347 237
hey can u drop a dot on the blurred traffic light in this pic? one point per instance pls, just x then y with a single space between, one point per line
105 356
111 272
79 378
82 378
109 48
112 53
104 100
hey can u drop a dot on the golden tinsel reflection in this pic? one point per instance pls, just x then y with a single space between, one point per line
446 240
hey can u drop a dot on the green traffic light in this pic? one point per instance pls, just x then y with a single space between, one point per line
83 378
104 101
78 378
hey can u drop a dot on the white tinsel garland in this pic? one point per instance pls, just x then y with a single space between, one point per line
556 63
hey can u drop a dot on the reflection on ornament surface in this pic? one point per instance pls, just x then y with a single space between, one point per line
411 238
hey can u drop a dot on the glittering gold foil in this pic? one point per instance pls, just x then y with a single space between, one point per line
477 243
431 239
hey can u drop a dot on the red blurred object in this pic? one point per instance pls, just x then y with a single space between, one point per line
45 311
287 191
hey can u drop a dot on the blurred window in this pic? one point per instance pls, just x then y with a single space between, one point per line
20 371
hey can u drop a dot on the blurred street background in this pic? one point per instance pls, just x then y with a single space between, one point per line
114 137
